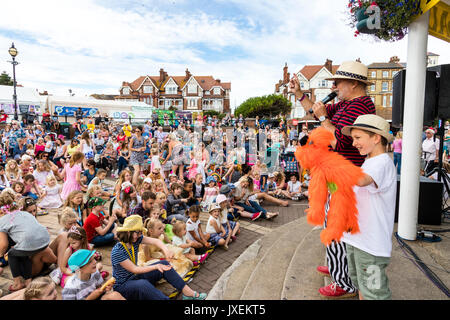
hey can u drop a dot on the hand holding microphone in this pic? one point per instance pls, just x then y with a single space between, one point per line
327 99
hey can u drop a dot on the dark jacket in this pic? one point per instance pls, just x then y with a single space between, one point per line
202 192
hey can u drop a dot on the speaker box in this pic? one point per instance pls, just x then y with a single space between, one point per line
398 98
430 201
443 98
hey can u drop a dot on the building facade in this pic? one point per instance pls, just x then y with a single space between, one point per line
188 92
382 75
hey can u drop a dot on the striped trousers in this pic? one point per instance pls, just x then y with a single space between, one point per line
337 260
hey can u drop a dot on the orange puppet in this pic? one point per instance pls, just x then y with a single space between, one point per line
330 173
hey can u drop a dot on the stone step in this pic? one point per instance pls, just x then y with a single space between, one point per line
267 279
234 280
302 281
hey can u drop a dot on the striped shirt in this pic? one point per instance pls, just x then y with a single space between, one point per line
118 255
76 289
344 113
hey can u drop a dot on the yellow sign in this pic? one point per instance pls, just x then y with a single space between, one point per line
439 25
426 5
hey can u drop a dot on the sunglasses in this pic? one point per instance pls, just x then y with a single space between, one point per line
29 202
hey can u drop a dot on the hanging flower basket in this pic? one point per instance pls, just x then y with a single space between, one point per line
384 19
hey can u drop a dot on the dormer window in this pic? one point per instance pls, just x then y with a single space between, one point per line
192 88
148 89
207 92
171 90
217 91
126 91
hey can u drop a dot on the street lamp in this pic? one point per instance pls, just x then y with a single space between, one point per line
13 52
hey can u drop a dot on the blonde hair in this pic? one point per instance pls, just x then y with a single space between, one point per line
36 287
8 197
151 224
399 135
92 189
8 169
66 215
49 178
70 197
177 227
154 151
46 166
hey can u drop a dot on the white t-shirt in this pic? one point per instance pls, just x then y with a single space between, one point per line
177 241
192 226
294 187
430 146
376 208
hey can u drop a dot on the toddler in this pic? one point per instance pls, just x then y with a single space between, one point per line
179 239
31 189
231 227
51 198
211 191
194 229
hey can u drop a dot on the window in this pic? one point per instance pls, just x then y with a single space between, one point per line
217 91
385 74
390 101
171 90
385 86
302 85
394 73
207 92
323 83
126 91
384 101
148 89
374 74
372 87
373 99
192 88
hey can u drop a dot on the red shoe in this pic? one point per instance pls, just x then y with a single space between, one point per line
203 258
256 215
333 291
323 270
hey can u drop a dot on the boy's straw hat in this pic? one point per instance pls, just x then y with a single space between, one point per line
132 223
372 123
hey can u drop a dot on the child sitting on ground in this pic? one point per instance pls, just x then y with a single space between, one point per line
231 227
66 219
149 254
194 230
99 230
31 187
179 239
75 202
98 181
215 229
86 284
77 240
294 188
51 198
176 206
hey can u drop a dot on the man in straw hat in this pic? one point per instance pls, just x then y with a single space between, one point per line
369 251
349 82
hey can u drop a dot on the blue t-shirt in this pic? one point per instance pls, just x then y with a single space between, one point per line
118 255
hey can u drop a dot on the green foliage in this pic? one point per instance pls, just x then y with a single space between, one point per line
5 79
266 106
213 113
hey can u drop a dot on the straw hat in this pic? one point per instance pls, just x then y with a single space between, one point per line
352 70
132 223
372 123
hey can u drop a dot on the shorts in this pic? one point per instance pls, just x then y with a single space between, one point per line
214 238
368 273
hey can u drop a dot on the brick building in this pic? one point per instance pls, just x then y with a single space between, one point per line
186 92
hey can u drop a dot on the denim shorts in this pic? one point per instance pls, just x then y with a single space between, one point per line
368 273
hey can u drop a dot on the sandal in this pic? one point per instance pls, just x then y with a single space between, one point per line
196 296
42 213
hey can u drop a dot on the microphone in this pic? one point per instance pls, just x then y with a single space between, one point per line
327 99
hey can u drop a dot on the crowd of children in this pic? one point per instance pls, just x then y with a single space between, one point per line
165 178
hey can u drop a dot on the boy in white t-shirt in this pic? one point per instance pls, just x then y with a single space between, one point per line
369 251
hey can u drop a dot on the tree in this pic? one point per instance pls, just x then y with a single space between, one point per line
5 79
266 106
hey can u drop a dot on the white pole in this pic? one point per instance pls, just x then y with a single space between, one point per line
413 126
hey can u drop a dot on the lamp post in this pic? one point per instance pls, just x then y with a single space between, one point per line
13 52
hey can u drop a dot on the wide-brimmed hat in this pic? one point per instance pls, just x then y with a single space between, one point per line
213 206
79 259
221 198
372 123
226 188
352 70
132 223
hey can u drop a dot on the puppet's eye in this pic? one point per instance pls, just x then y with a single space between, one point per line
310 142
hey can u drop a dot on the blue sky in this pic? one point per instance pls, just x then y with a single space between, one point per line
91 46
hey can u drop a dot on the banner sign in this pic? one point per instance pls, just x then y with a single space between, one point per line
439 25
70 111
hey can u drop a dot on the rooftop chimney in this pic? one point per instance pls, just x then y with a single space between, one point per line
329 65
285 73
188 75
162 75
394 59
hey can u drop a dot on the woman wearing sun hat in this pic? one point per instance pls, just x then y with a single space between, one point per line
349 82
138 283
